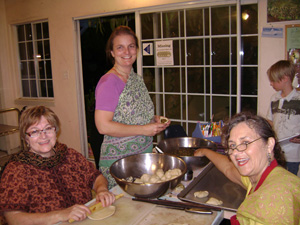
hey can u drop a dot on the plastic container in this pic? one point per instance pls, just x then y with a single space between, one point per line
198 134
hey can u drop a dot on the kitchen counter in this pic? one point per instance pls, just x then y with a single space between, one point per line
129 212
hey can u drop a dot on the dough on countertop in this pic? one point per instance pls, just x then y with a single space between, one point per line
103 213
214 201
201 194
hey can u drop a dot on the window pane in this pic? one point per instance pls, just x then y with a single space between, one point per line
31 69
38 30
220 80
43 88
173 106
40 49
195 80
172 80
45 30
233 51
153 83
249 104
220 51
220 108
194 22
195 107
178 52
28 32
47 49
150 26
249 80
233 80
24 70
195 52
25 88
249 19
220 20
250 49
48 69
33 89
30 54
170 24
22 51
233 19
21 33
50 88
42 70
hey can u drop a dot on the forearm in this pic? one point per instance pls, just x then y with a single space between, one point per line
17 217
116 129
223 164
100 184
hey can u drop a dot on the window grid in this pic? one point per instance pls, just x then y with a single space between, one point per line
232 97
35 60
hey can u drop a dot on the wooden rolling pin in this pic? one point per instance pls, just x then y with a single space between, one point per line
98 206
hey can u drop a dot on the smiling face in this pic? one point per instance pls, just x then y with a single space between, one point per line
124 50
43 143
253 161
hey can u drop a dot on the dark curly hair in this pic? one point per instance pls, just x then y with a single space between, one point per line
261 126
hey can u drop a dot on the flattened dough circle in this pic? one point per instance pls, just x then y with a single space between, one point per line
103 213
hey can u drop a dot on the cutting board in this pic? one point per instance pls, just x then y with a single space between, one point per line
128 212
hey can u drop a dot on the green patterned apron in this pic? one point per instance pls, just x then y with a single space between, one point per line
135 107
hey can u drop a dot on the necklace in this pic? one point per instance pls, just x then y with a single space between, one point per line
123 76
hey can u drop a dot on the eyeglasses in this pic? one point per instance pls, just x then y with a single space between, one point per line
240 148
36 133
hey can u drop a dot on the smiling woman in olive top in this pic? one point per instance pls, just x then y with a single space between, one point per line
48 182
255 161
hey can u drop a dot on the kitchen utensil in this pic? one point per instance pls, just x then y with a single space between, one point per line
97 206
218 186
184 148
146 163
159 150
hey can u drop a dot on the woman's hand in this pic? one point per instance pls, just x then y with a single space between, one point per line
200 152
105 197
151 129
75 212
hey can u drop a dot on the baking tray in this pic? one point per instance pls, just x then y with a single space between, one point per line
218 186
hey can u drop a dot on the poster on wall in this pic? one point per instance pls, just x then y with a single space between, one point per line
283 10
292 47
164 53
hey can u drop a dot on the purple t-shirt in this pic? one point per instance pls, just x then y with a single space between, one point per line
107 92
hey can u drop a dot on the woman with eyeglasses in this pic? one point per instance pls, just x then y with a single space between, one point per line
47 182
256 162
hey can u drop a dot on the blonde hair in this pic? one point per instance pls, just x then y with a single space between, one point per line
280 69
32 116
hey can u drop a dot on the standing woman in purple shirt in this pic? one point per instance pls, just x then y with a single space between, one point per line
124 110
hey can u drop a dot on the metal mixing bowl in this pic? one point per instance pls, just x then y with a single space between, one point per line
149 163
171 145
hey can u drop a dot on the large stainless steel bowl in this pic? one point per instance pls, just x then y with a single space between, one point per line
171 146
149 163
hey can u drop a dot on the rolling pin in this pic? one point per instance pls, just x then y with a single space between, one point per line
98 206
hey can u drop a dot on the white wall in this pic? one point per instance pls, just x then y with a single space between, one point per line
60 14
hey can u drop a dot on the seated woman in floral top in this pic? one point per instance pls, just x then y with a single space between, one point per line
48 182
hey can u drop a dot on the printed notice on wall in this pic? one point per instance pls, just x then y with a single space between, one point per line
164 53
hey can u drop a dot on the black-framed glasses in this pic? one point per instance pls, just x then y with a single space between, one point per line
241 147
36 133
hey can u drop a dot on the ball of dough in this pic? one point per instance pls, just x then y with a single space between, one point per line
201 194
145 178
160 173
154 179
214 201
